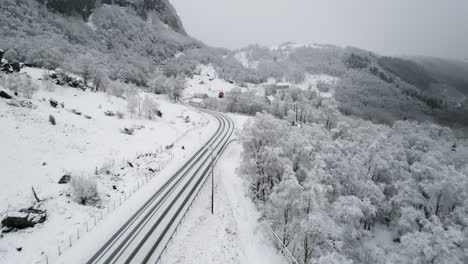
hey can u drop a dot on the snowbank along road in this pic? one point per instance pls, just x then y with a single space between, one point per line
143 238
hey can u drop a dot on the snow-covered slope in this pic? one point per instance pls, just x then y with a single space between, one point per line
36 154
206 82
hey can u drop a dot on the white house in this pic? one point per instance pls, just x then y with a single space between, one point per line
270 99
198 102
283 85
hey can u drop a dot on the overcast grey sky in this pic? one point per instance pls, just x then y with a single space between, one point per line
392 27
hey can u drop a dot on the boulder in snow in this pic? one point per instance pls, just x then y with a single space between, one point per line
5 95
76 112
109 113
53 75
128 131
65 179
6 67
52 120
24 218
15 66
53 103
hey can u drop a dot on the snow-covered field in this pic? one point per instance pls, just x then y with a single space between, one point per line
36 154
232 234
285 47
206 83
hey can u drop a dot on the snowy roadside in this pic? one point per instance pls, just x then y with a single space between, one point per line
36 154
232 234
83 249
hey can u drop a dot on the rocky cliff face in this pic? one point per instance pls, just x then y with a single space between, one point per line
166 12
162 8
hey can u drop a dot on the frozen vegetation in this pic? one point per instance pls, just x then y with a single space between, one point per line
331 190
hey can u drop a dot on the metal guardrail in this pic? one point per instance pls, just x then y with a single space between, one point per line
279 244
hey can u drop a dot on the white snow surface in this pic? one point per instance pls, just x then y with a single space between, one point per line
36 154
90 22
233 234
291 46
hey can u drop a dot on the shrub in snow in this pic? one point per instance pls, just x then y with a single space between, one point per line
120 115
109 113
106 167
323 87
84 190
52 120
128 131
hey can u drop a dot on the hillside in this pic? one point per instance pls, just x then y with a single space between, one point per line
449 72
109 145
363 84
164 10
125 40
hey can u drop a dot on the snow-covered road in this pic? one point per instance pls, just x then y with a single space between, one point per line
144 236
232 234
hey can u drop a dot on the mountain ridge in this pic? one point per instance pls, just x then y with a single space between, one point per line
85 8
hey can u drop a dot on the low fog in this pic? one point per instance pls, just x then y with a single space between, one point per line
399 27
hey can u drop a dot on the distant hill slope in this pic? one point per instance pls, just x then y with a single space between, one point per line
374 87
120 39
451 72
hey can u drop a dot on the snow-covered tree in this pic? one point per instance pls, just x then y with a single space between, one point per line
133 100
22 84
149 107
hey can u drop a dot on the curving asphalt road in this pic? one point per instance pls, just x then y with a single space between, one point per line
144 236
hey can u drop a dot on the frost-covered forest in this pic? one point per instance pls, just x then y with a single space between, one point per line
329 191
116 42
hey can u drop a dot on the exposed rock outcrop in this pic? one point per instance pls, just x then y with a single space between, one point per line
65 179
5 95
24 218
166 12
